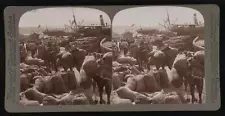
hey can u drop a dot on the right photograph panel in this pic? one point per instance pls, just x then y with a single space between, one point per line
158 56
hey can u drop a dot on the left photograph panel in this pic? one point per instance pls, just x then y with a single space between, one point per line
65 57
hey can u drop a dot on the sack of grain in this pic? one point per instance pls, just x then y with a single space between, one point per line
72 80
24 82
126 93
30 69
48 85
65 78
33 94
126 60
164 97
116 81
67 99
23 65
58 84
116 64
39 83
80 99
135 71
41 62
172 98
49 100
142 99
115 99
90 65
32 61
42 72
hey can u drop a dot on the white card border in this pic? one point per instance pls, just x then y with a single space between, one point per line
211 35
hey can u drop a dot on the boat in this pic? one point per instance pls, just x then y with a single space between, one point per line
54 33
86 37
83 31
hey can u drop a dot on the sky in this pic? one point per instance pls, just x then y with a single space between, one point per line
151 16
58 17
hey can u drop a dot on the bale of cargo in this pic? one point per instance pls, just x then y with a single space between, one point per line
34 61
23 65
72 80
115 99
164 79
121 68
33 94
67 99
43 72
126 93
39 83
58 84
65 78
48 85
80 99
29 69
116 64
116 81
161 97
24 82
49 100
142 99
134 70
126 60
164 97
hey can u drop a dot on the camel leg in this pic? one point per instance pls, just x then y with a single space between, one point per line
185 84
71 68
56 68
48 65
148 66
192 90
94 91
100 90
200 88
157 67
108 88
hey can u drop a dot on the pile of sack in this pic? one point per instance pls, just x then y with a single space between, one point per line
160 97
125 67
38 86
34 61
33 97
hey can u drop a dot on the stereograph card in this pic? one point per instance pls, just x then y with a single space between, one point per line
114 58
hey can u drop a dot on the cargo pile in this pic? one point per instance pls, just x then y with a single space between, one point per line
38 86
152 69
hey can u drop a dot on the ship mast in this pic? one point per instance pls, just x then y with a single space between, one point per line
168 18
74 21
195 19
102 21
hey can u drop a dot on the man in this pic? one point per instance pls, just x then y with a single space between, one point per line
124 46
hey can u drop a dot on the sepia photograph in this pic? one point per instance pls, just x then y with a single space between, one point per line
158 56
65 57
112 58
